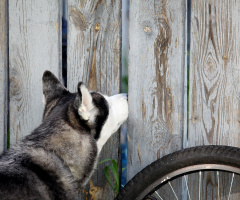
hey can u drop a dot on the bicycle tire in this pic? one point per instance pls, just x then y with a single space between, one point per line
187 161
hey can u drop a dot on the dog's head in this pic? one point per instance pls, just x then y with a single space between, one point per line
102 114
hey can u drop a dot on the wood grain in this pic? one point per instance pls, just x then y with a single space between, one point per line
156 81
214 112
94 46
34 46
3 75
215 73
94 41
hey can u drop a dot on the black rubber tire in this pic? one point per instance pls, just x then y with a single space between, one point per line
225 155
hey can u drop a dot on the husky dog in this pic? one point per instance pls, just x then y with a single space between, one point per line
59 156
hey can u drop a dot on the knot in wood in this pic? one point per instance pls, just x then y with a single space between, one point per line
97 27
147 29
225 58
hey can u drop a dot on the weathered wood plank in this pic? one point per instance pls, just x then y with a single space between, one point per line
3 74
215 73
156 81
34 46
214 111
94 44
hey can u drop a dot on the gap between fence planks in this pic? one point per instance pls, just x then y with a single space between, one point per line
35 38
3 75
94 47
156 81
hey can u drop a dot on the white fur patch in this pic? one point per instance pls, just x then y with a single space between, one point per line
118 113
86 106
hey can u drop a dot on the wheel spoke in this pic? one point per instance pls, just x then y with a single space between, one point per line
200 180
231 186
173 190
218 185
158 195
187 187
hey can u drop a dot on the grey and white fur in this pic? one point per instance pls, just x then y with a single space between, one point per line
59 156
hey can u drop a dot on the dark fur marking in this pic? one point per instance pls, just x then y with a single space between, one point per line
49 107
15 180
49 178
100 102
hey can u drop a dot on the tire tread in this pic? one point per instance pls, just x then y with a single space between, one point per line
191 156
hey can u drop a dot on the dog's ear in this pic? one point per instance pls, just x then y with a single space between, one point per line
83 101
52 87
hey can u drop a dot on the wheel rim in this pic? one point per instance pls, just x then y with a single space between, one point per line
184 173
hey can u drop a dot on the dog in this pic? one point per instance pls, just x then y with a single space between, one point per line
60 155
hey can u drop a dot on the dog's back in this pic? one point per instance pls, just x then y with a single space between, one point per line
13 178
23 176
60 155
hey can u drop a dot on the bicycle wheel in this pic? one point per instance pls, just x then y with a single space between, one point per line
206 172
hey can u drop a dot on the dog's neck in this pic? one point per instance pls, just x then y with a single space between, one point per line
74 148
107 131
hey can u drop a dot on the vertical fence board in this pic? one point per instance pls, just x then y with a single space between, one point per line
156 80
214 116
215 73
3 74
34 46
94 44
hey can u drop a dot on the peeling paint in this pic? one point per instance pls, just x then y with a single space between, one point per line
143 57
97 4
139 154
97 27
116 60
95 192
147 29
57 26
179 116
225 57
169 101
162 43
84 193
143 107
194 116
93 74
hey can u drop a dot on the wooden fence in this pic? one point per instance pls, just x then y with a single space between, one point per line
31 42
